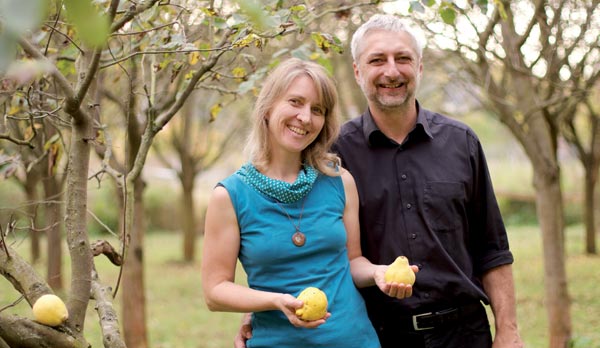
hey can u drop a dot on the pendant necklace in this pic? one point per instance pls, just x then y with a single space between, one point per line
298 238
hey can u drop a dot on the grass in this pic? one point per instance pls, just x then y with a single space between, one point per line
582 278
177 316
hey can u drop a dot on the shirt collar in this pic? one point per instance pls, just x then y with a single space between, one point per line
375 136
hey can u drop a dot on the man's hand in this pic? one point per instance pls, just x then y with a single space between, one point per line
506 339
396 290
245 332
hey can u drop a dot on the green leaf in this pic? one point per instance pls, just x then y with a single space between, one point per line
326 42
298 8
214 111
448 15
255 13
501 8
92 25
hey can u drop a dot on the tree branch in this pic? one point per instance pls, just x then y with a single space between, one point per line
133 11
109 322
22 275
21 332
104 247
62 81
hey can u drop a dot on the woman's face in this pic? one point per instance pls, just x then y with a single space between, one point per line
297 117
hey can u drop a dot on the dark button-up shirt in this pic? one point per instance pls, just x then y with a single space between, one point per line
430 199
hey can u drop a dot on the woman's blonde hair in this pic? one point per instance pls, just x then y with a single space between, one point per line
276 84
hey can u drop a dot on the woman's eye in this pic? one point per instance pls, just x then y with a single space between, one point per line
295 102
318 111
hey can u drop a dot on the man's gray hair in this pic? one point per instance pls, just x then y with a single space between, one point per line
385 22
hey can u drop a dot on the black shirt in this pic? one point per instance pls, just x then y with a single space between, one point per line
430 199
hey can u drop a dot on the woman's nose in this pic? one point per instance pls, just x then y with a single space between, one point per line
304 114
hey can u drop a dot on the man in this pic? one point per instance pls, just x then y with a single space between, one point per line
425 193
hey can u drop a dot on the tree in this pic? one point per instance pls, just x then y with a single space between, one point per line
529 63
198 143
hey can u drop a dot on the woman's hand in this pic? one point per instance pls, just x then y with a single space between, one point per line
288 305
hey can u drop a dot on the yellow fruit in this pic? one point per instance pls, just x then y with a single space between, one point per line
50 310
315 304
400 272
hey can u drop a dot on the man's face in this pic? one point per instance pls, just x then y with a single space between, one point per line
388 69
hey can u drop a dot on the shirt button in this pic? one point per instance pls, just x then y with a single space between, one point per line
403 176
413 236
408 205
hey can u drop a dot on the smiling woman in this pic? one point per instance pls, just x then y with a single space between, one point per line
290 216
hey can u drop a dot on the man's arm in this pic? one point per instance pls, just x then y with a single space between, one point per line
498 284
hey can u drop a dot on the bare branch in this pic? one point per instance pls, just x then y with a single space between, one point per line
62 81
3 243
133 11
16 302
104 247
54 30
21 332
7 136
22 276
109 322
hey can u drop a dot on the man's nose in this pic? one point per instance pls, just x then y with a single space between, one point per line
391 69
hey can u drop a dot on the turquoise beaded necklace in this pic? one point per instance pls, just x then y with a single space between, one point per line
280 190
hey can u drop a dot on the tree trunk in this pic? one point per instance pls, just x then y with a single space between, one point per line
550 214
31 184
188 210
52 192
589 212
133 294
76 225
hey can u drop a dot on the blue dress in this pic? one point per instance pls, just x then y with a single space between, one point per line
273 263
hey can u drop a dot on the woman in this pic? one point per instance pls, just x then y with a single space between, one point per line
291 216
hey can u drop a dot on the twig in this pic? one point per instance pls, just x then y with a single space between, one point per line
104 247
101 223
3 243
21 298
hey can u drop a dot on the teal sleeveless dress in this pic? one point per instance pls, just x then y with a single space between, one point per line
273 263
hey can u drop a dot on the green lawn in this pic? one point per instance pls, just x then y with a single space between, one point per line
177 316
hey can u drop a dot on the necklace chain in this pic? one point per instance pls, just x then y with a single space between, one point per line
298 238
297 226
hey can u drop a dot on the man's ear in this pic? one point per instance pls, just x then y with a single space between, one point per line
357 76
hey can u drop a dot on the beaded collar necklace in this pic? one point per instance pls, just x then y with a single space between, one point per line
278 189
